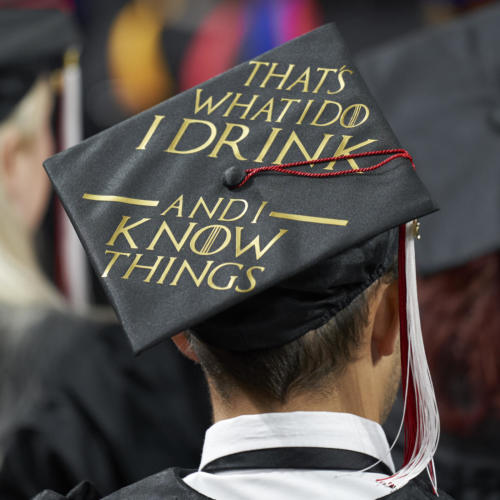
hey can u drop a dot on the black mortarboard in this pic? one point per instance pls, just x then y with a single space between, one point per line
180 243
31 41
439 89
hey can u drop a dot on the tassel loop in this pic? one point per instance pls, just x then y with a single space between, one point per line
421 417
287 168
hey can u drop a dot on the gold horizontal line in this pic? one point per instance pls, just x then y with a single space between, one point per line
309 218
120 199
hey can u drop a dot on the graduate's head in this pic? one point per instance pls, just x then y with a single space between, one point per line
355 305
261 211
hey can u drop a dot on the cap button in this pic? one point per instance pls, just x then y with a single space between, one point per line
233 176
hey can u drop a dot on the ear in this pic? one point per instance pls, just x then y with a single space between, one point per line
386 322
181 342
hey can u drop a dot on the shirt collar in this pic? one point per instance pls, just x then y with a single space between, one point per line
302 428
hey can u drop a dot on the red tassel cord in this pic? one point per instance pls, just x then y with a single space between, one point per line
286 168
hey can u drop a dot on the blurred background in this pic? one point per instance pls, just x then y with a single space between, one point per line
123 56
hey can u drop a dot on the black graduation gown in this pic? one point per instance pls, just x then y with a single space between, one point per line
169 484
98 413
468 466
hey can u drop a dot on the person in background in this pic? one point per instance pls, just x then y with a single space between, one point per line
25 140
74 402
439 88
460 307
27 297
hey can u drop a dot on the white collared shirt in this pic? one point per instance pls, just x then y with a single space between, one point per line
277 430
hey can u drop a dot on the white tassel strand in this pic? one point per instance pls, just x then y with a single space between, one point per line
427 418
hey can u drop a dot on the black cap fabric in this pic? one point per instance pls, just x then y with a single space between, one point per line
31 41
440 90
303 302
153 191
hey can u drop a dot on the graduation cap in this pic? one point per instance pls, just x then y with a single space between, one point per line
32 41
252 208
439 89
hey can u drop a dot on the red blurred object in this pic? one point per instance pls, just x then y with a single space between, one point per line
461 323
64 5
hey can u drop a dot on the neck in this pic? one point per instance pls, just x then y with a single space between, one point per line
355 392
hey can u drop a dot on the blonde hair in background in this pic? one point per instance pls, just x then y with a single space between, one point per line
22 282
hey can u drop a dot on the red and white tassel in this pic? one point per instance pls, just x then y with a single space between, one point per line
421 417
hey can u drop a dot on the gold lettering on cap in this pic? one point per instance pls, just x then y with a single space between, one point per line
232 278
266 109
251 279
321 111
302 79
259 211
230 203
269 142
257 66
304 113
120 199
325 72
309 218
285 109
111 263
124 230
214 231
178 203
343 70
343 150
283 77
185 266
255 243
135 265
246 106
166 270
165 228
180 133
233 143
354 120
208 103
208 212
150 132
294 139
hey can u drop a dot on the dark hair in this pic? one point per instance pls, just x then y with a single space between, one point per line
301 365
